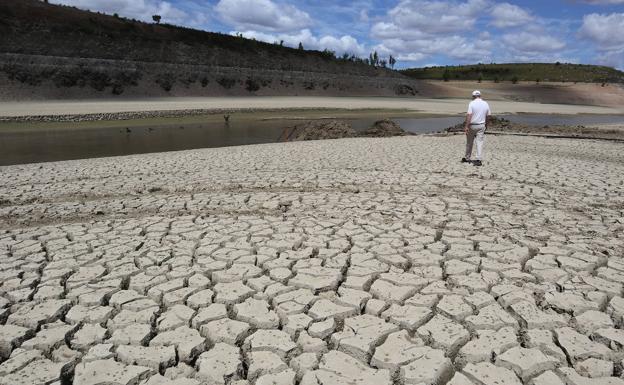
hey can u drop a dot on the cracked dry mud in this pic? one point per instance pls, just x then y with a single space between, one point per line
356 261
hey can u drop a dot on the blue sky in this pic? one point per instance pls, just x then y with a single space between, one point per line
416 32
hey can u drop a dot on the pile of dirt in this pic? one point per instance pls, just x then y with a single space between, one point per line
502 125
316 130
336 129
384 128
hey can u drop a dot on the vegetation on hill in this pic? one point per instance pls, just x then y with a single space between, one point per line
36 28
533 72
45 45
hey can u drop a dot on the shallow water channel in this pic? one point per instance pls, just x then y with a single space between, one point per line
54 144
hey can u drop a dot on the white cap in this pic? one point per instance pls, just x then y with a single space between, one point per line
476 93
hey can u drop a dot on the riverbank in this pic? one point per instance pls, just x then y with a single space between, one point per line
199 105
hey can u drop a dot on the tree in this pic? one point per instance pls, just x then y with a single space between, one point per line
392 61
376 58
281 43
514 80
300 46
446 75
383 63
156 18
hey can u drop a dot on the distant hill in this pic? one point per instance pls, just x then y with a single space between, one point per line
532 72
49 51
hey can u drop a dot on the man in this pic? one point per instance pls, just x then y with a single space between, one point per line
476 124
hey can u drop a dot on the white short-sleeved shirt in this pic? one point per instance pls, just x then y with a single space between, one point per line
480 110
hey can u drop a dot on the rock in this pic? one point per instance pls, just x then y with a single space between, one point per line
257 313
211 313
614 338
32 315
99 352
491 317
315 130
275 341
322 329
134 334
263 362
87 336
432 368
571 377
547 378
592 320
225 330
361 335
594 368
109 372
304 363
533 318
11 336
187 341
338 368
579 347
454 307
40 371
18 360
219 364
200 299
444 334
526 363
544 341
232 293
407 316
155 357
489 343
175 317
384 128
324 309
488 374
399 349
49 337
286 377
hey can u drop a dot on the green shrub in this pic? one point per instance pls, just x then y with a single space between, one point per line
251 85
226 83
165 81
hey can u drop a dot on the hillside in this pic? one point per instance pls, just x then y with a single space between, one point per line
514 72
50 51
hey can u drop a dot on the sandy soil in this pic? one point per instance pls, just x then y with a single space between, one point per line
349 261
436 106
611 95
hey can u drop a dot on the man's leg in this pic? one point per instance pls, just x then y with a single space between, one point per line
470 136
480 141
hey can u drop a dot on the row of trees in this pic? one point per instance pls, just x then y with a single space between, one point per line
373 59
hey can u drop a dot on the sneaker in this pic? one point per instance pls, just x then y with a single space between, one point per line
464 160
477 163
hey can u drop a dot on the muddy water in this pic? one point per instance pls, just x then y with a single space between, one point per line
43 145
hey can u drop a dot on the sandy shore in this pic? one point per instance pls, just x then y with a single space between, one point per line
335 262
435 106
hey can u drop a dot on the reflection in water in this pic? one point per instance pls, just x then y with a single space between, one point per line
44 146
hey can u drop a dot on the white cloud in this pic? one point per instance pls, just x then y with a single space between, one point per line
532 42
136 9
506 15
415 30
437 16
262 15
606 31
344 44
